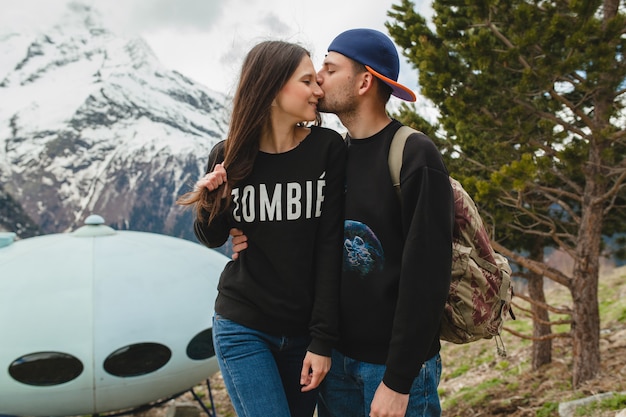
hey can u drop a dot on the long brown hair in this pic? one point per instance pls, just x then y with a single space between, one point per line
266 69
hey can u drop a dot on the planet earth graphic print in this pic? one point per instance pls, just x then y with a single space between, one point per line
362 251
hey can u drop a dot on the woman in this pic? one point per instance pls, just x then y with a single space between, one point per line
281 182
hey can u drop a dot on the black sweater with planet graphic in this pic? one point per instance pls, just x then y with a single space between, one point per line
397 256
291 209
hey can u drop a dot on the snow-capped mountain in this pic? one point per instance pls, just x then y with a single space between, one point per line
13 219
91 122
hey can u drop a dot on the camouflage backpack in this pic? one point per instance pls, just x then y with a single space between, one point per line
480 291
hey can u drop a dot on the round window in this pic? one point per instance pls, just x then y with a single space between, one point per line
138 359
45 368
201 346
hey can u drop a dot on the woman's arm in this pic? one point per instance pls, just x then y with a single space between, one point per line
214 234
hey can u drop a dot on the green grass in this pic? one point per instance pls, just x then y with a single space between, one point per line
476 395
460 370
616 402
549 409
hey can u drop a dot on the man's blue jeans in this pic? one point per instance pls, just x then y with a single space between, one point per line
349 387
262 372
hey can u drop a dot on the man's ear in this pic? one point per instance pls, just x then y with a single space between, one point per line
366 82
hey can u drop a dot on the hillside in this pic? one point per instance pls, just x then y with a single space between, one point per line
476 382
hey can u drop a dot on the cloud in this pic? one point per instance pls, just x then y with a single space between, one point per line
182 15
29 15
275 23
207 39
128 15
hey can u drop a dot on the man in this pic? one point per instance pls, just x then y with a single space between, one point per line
397 251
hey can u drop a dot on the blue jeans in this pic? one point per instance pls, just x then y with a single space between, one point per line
349 387
262 372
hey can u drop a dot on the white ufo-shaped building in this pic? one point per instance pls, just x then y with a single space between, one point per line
100 320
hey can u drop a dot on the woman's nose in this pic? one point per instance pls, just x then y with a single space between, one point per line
318 91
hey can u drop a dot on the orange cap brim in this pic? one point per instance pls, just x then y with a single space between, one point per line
398 89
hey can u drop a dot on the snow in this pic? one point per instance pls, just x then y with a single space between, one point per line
81 108
47 102
12 50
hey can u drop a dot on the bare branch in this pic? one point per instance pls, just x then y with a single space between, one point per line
563 310
612 205
550 193
617 169
507 42
575 75
549 224
549 150
567 180
534 266
617 186
575 109
549 229
552 323
530 314
549 116
535 338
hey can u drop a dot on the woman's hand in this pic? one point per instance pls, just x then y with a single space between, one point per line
213 179
314 369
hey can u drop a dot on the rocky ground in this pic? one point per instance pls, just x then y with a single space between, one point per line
506 387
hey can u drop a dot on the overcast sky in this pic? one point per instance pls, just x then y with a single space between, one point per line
206 39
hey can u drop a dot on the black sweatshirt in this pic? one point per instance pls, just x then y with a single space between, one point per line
397 259
291 209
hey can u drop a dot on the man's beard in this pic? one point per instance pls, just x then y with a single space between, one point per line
347 104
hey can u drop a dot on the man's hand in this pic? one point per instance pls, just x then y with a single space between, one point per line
240 242
314 369
388 403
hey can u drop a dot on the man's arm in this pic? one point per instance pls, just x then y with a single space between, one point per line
428 219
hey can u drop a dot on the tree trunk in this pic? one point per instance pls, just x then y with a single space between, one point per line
586 323
542 349
586 320
586 314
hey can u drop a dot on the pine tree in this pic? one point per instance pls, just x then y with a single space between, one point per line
531 100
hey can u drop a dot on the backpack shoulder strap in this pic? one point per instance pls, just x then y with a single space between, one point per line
396 149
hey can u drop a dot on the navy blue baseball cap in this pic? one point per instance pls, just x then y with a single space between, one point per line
377 52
